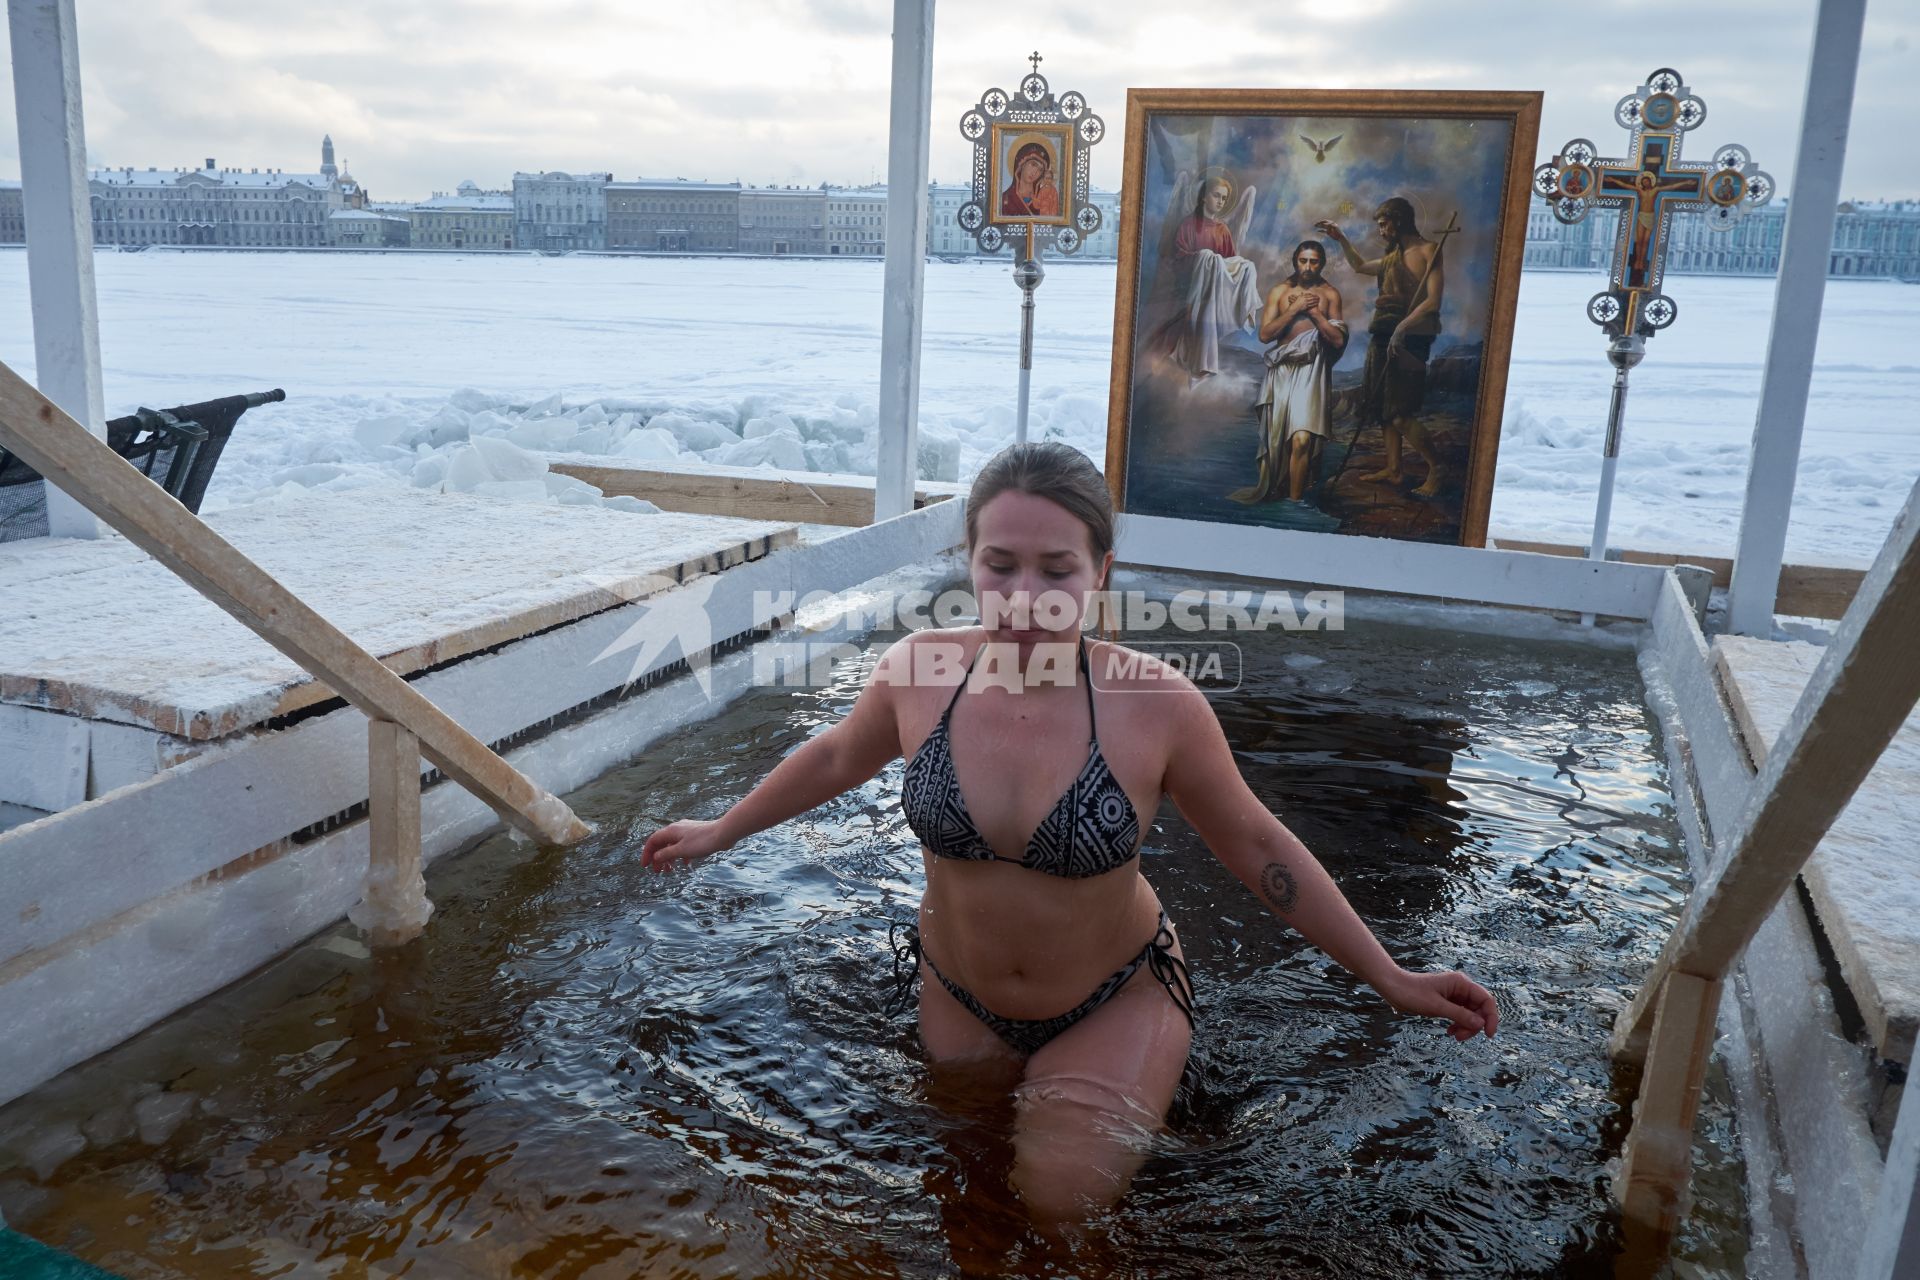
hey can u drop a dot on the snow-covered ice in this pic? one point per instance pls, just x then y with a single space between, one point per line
437 370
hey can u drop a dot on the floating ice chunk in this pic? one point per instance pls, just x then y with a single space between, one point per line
506 460
47 1149
649 444
694 433
548 433
939 456
591 414
465 468
110 1126
389 429
472 400
544 408
559 486
769 425
430 472
488 423
449 426
781 450
159 1114
1533 688
626 502
595 439
1301 661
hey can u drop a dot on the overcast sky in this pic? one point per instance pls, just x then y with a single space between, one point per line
419 96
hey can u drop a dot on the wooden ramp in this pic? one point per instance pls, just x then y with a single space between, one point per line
1864 878
112 667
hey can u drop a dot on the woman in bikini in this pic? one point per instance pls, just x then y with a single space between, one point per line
1042 948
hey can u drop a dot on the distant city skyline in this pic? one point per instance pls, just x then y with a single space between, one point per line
796 91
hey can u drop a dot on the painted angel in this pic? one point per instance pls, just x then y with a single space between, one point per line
1215 288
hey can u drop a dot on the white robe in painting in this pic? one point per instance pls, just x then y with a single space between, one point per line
1295 395
1223 296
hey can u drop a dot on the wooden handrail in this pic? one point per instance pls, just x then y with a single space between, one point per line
86 469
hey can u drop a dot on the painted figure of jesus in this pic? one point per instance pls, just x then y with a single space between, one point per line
1303 321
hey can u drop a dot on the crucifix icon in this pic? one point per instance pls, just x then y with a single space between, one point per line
1648 188
1036 60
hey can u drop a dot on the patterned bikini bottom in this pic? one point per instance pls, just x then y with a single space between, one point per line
1028 1034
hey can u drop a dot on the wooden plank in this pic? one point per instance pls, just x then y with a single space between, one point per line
119 755
843 500
1805 590
1864 888
393 906
1424 569
64 874
198 675
61 450
1659 1150
43 759
1865 686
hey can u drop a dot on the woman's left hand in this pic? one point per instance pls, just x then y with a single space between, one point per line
1451 995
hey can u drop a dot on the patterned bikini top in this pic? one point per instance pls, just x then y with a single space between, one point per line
1092 829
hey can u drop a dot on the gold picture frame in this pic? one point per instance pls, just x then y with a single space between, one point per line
1225 373
1051 203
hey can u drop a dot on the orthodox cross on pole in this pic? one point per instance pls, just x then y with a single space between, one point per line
1031 176
1647 188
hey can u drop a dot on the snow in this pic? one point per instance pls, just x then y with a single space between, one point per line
428 370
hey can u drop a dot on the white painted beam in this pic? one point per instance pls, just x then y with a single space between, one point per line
1426 569
903 302
59 216
1806 246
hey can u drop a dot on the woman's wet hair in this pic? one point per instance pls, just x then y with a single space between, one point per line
1048 469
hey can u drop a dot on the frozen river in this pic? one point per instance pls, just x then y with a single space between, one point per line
388 339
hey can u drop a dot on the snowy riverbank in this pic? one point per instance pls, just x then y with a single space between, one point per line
393 363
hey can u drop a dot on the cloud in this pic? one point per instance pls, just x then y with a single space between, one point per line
420 96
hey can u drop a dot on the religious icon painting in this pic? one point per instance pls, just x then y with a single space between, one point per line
1030 176
1315 306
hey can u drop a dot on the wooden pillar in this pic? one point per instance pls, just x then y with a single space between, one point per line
58 205
393 906
1805 250
1652 1182
1892 1246
903 302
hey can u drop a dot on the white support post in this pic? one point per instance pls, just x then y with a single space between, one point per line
1892 1247
59 217
1805 252
903 310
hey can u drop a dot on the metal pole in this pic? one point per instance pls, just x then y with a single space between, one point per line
1624 353
902 304
1805 250
1028 275
59 215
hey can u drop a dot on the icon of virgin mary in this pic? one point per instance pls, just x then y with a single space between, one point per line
1033 191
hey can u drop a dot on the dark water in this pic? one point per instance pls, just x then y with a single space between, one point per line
584 1070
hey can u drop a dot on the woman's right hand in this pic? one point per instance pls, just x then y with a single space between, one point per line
682 841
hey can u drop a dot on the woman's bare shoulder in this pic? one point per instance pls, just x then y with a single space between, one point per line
922 655
1116 666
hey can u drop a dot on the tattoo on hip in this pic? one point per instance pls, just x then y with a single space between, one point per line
1278 888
